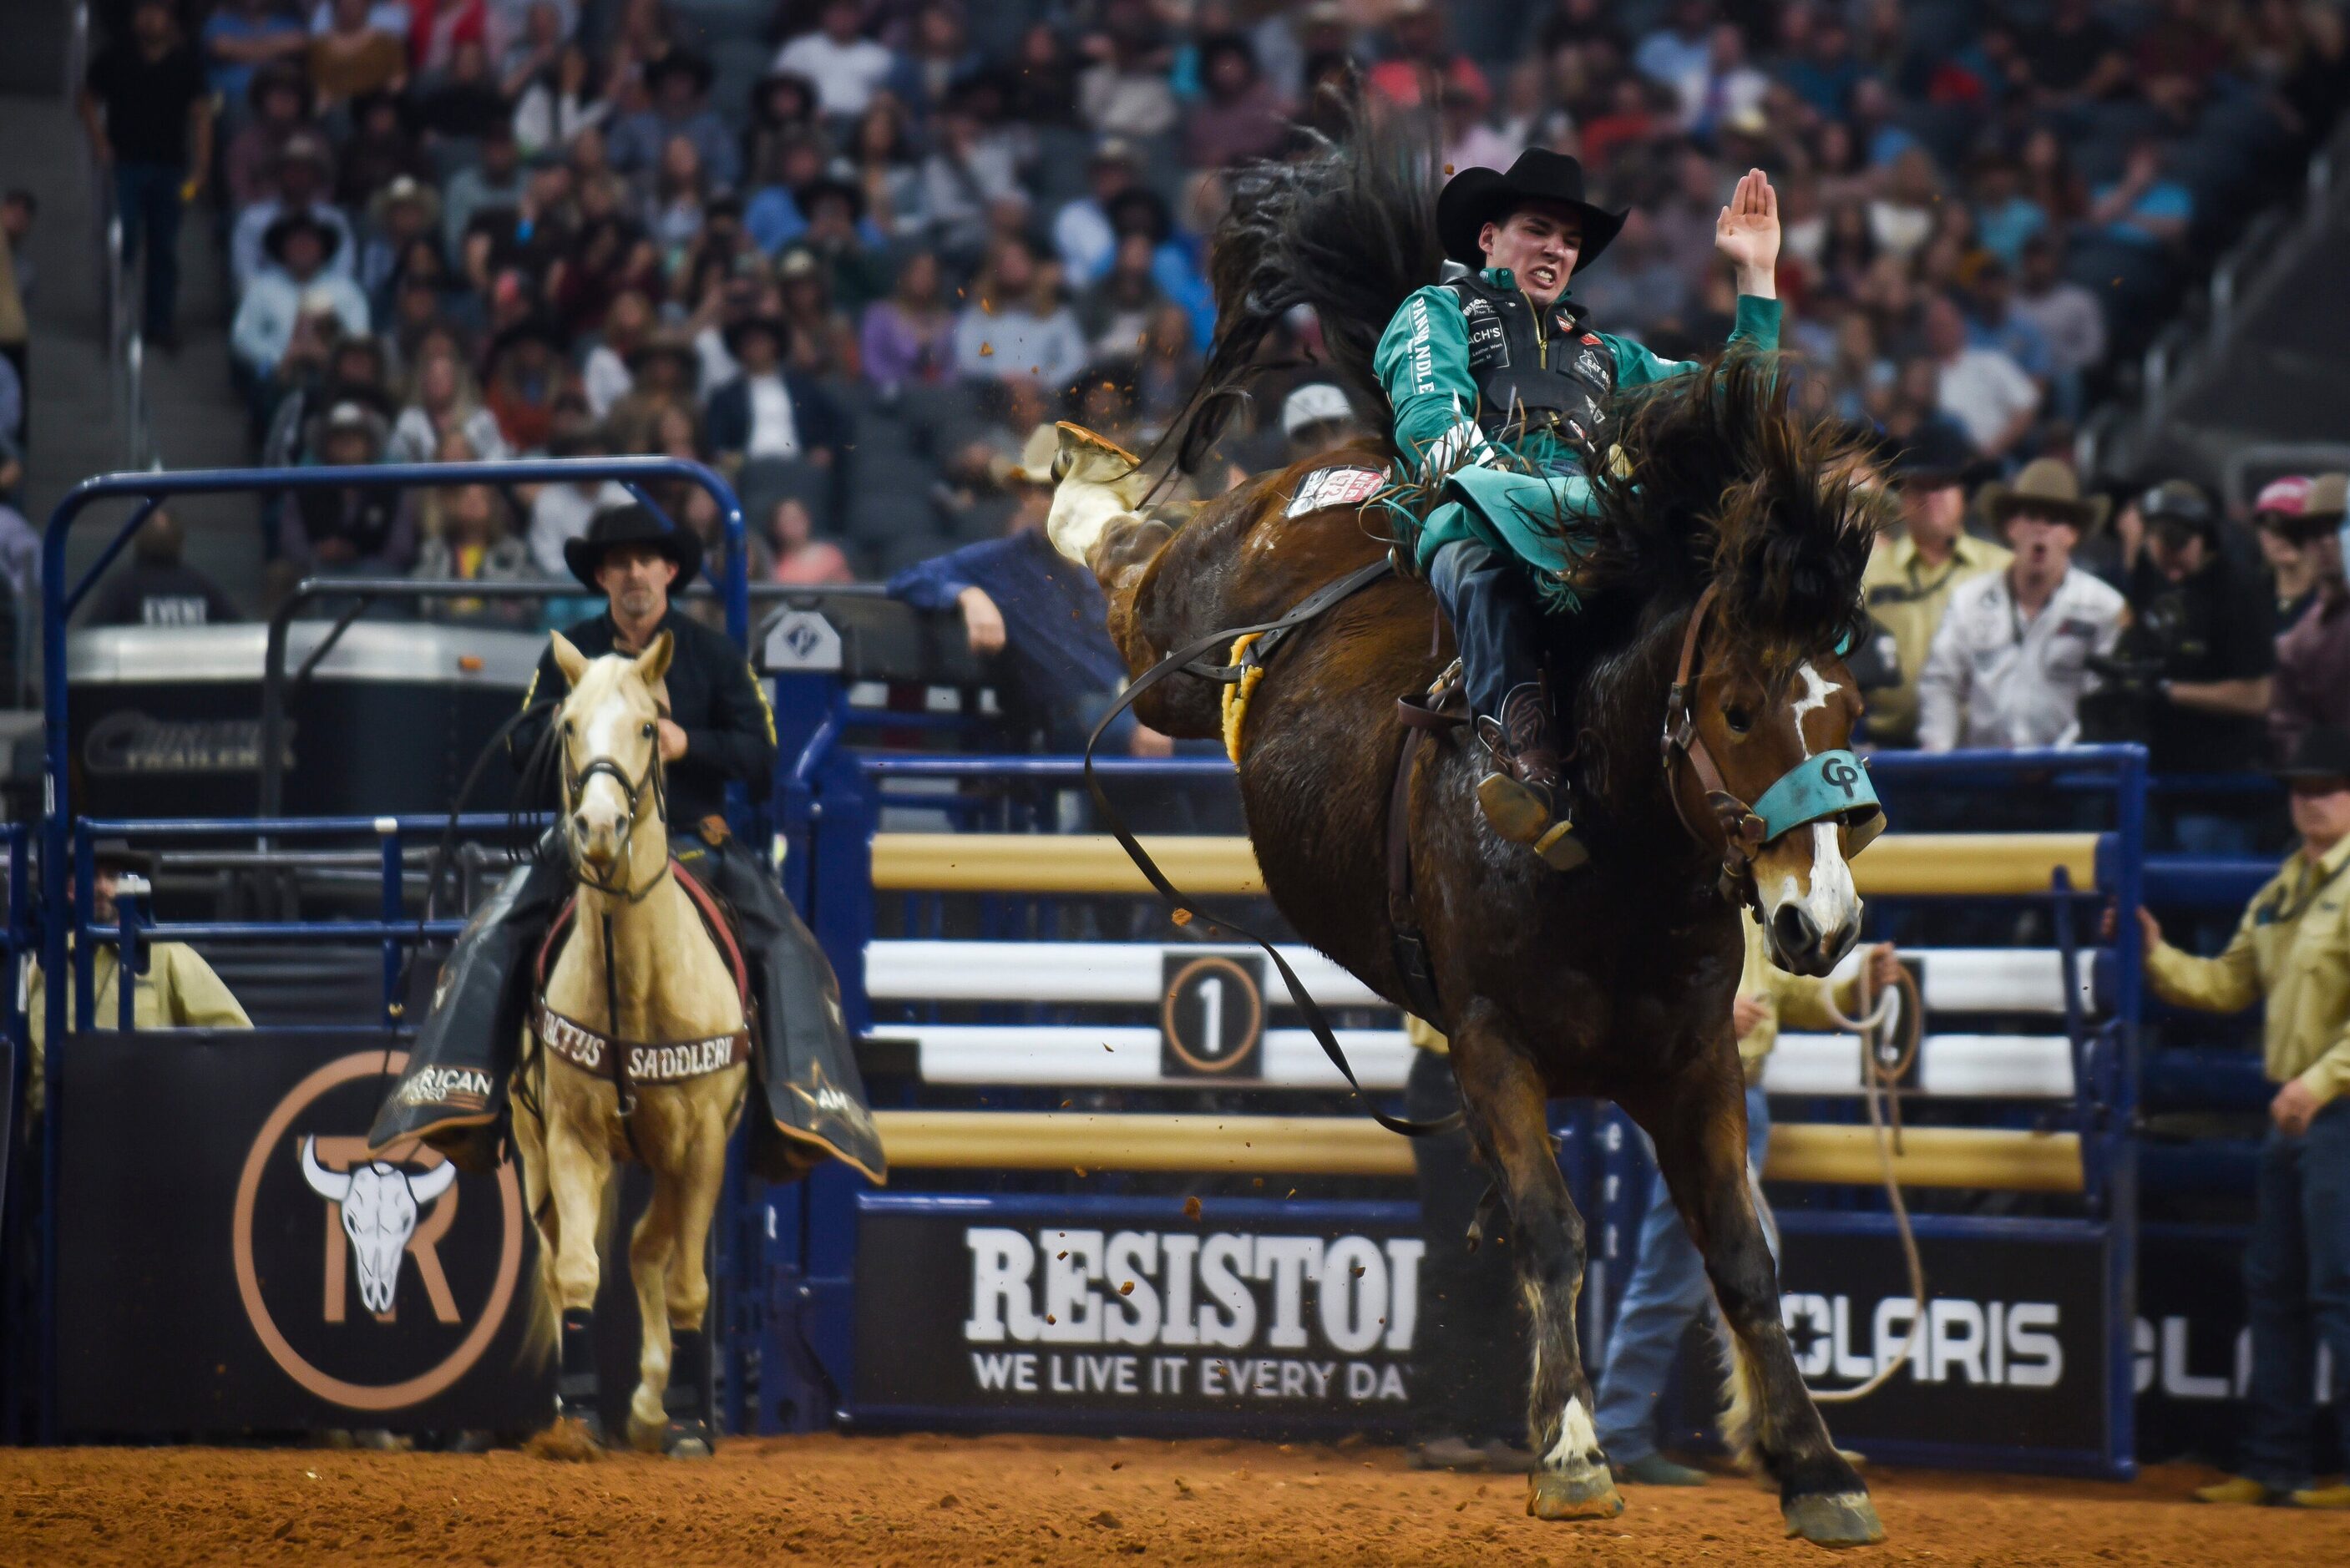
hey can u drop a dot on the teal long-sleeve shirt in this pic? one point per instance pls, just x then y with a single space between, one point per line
1423 362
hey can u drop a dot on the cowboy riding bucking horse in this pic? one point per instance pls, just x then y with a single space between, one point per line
1502 391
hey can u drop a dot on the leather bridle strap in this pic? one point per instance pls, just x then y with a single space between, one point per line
635 791
1741 830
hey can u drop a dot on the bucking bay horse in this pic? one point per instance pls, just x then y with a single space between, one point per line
639 1050
1724 575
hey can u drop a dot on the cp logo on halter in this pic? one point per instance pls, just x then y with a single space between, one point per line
392 1289
1212 1021
1841 774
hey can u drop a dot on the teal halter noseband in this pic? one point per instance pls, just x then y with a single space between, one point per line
1833 787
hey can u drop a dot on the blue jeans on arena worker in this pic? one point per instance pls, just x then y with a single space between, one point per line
147 198
1667 1289
2297 1294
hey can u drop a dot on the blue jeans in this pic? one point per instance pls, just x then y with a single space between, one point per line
1667 1289
2297 1294
1496 619
147 196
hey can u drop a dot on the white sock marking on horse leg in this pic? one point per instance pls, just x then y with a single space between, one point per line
1575 1438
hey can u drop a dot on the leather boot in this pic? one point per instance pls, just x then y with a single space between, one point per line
1526 796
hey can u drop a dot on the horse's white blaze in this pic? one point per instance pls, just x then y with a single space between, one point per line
1817 689
603 805
1575 1438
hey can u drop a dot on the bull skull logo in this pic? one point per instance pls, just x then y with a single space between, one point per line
380 1203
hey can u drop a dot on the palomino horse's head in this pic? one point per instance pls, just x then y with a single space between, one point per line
610 730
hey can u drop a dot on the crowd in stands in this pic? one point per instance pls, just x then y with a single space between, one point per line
851 252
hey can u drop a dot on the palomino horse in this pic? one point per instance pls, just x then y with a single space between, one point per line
642 989
1730 572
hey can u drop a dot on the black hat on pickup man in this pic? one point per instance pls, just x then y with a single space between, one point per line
1476 197
620 526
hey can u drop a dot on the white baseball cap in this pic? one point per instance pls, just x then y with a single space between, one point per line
1316 402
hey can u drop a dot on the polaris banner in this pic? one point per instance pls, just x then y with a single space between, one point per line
1241 1315
2011 1359
230 1258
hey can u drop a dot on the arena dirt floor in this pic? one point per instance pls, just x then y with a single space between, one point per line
1012 1500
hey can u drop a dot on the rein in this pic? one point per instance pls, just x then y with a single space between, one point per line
1184 660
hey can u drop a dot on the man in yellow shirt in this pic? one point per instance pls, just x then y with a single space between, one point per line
176 989
1669 1285
1909 576
2291 948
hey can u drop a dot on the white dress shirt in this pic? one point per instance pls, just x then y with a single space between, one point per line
1994 678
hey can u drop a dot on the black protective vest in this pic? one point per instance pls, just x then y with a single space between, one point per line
1536 372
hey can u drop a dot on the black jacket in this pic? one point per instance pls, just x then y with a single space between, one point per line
1532 372
713 696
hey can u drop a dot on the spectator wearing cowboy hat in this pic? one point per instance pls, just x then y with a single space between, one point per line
302 173
495 178
174 988
404 211
353 530
298 285
2313 656
680 84
2011 660
2203 629
1912 575
2287 953
662 369
279 97
768 410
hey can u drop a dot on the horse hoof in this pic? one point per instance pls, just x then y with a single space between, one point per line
1588 1495
1834 1519
574 1440
688 1441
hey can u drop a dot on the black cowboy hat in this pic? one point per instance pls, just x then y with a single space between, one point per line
116 855
664 345
817 189
529 329
279 76
619 525
1935 456
273 238
677 60
1138 210
1476 197
2323 752
775 327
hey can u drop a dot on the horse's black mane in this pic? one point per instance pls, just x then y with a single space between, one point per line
1715 478
1348 228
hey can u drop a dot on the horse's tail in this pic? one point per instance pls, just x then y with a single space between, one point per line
1348 229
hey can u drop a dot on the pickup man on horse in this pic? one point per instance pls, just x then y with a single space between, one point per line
1502 392
716 729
